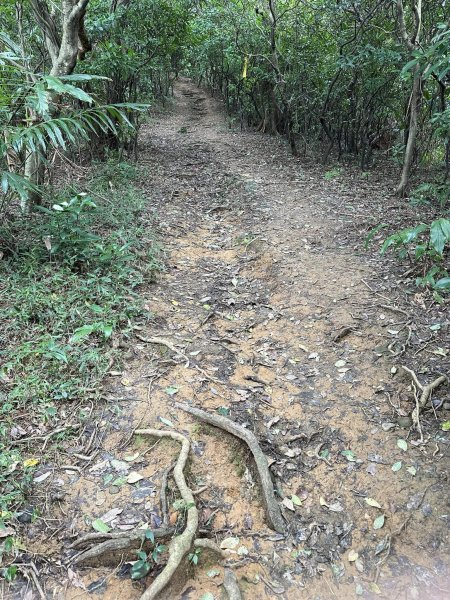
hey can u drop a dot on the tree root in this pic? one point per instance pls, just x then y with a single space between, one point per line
118 544
231 585
273 512
425 395
109 545
181 544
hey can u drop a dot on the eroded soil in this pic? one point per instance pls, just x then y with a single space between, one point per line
260 281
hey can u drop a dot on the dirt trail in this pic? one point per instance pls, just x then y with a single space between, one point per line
256 288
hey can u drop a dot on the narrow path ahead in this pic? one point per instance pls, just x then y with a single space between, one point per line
257 292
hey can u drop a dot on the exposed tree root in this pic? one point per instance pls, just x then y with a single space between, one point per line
108 547
274 516
163 342
425 395
231 585
181 544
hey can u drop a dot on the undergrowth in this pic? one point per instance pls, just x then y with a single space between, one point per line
69 281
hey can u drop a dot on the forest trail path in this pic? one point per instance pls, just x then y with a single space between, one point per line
257 286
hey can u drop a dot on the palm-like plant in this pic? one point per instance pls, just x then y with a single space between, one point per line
37 115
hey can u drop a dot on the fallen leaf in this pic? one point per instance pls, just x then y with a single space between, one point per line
6 531
131 457
100 526
349 455
359 566
374 588
43 477
171 390
352 556
119 465
173 518
379 522
402 444
111 515
166 422
296 500
229 543
101 498
30 462
372 502
287 502
212 573
134 477
412 471
397 466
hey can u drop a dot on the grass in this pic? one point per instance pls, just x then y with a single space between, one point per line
69 286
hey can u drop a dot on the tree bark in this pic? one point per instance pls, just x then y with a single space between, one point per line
412 43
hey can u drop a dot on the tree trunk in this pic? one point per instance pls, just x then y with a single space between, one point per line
64 50
412 134
412 43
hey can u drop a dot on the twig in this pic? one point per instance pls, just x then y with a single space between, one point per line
426 392
163 342
274 516
388 545
395 309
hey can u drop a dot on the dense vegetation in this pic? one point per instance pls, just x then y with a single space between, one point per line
364 81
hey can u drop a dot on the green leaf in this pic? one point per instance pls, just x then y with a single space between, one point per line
349 455
82 333
397 466
140 569
443 284
54 83
296 500
402 444
440 234
445 426
372 233
166 422
100 526
149 535
379 522
171 390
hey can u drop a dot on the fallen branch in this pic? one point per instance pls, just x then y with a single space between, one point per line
274 516
425 395
231 585
181 544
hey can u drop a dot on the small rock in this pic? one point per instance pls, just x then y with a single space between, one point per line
26 515
427 510
446 405
114 490
405 422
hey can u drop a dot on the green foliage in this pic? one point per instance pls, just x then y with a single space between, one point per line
425 245
146 562
69 282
